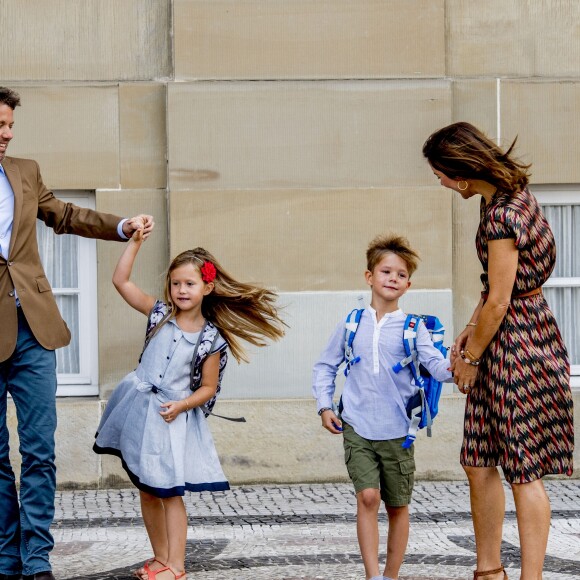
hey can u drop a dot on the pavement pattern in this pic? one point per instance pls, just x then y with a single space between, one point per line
298 532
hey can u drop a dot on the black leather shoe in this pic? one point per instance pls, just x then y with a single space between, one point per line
39 576
10 577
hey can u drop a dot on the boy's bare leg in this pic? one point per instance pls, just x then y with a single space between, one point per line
397 539
368 502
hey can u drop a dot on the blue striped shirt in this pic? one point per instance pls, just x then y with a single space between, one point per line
374 396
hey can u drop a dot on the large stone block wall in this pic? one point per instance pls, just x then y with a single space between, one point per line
56 41
512 38
265 135
283 136
314 240
302 39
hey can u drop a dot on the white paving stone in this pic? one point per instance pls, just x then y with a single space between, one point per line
305 532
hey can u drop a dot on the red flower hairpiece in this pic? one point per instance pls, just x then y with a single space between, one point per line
208 272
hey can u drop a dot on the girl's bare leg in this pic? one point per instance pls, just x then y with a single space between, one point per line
154 518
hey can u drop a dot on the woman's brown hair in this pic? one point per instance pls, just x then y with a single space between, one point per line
461 151
240 311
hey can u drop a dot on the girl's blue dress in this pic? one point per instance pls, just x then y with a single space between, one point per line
163 459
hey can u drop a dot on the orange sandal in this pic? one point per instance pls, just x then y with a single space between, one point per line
145 568
477 574
152 574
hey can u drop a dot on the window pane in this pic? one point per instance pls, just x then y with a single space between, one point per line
565 304
68 358
565 223
59 255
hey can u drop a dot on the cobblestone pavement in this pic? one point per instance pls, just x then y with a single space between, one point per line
297 532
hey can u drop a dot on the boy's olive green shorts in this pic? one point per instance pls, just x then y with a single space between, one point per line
382 465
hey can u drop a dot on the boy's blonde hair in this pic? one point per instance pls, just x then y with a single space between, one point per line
392 244
241 312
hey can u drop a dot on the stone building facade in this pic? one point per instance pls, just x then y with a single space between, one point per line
282 135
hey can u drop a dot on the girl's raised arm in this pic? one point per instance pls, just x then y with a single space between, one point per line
131 293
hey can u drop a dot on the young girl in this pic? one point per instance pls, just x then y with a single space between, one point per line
153 421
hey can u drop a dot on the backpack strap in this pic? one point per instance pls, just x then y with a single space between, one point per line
410 330
432 387
204 348
350 327
420 414
437 332
420 407
157 318
416 413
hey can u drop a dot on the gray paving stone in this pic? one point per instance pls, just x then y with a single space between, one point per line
297 532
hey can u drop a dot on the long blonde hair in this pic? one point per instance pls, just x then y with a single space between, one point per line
461 151
240 311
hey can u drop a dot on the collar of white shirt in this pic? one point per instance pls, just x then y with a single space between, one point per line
396 313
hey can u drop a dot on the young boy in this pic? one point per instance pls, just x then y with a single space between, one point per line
374 420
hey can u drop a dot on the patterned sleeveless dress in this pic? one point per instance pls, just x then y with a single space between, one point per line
519 414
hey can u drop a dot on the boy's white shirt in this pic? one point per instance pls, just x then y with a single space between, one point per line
374 396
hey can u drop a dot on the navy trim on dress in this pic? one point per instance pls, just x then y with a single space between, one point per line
159 491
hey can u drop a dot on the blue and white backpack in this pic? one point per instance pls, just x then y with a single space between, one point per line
207 338
423 407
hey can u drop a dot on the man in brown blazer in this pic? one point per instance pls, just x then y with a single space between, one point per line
31 328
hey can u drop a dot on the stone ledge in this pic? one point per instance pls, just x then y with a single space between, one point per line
282 442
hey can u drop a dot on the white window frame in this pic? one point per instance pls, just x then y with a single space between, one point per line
86 381
561 194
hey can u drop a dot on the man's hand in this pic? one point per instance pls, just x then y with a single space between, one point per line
141 222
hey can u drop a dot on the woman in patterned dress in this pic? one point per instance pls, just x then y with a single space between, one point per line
510 360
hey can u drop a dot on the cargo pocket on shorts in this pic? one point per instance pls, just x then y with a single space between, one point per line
347 458
407 469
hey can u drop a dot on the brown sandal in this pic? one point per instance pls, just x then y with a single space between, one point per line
477 574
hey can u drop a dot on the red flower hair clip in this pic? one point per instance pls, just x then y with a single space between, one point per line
208 272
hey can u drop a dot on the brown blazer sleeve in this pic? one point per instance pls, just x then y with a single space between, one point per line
23 270
67 218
